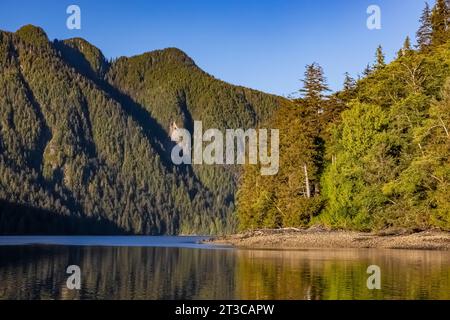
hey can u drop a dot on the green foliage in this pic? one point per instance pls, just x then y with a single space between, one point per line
314 87
391 148
86 143
379 63
424 34
349 184
83 56
439 22
32 35
171 88
386 140
283 200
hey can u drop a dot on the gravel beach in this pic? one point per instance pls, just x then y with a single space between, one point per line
316 238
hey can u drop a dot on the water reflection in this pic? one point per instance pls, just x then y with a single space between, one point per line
342 274
38 272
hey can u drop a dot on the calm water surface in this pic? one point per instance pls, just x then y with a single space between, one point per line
181 268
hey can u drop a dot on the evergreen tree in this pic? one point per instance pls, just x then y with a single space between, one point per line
405 49
439 22
423 35
290 198
349 82
314 87
380 59
407 44
367 70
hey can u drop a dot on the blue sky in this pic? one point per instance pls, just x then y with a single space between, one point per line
262 44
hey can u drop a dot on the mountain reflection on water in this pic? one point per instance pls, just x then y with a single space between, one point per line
134 272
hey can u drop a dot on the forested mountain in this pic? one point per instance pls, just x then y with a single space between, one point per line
375 155
85 146
85 142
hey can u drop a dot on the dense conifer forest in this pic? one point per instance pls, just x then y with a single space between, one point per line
85 142
85 146
374 155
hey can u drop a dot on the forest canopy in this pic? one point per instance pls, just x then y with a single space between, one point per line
85 145
374 155
85 142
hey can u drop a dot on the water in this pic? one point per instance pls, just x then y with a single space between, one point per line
104 241
181 268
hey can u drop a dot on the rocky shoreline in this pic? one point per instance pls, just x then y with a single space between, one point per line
321 238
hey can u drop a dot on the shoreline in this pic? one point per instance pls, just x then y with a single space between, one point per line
317 238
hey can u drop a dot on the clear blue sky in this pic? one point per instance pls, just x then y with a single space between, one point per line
262 44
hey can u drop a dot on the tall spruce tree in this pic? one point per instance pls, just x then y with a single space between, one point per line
367 70
314 87
407 44
424 34
405 49
349 82
439 22
380 59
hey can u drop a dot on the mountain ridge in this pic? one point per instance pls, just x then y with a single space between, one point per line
84 137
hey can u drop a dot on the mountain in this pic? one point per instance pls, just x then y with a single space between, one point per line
85 145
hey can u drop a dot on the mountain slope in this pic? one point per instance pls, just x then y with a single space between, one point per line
84 138
172 88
